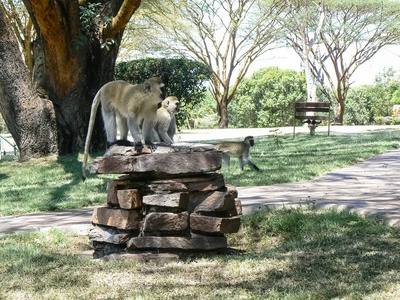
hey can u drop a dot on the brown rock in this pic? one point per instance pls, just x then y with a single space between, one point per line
169 163
184 243
112 199
156 221
119 218
107 235
214 224
176 200
211 202
238 208
207 182
129 199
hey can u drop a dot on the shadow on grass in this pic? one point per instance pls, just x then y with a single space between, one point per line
289 254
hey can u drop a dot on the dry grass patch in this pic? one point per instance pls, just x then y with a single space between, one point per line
289 254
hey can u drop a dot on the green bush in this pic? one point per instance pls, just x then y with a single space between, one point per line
267 98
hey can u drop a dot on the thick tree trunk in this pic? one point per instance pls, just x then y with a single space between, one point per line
30 119
75 66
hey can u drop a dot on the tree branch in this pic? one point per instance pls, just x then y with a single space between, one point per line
119 22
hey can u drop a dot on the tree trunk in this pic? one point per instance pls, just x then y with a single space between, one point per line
30 119
75 64
223 113
341 110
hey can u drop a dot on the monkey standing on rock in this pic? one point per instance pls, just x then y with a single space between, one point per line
165 125
240 150
130 105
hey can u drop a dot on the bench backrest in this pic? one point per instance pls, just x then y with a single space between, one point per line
301 108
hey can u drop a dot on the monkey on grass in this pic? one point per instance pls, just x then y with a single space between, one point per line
165 124
129 105
240 150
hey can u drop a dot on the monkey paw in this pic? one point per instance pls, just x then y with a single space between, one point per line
138 147
151 146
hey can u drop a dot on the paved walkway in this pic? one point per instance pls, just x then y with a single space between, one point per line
369 187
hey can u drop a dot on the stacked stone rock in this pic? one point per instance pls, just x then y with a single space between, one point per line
169 199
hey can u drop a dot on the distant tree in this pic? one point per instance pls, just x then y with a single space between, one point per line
353 33
267 98
183 78
22 26
304 22
226 35
371 103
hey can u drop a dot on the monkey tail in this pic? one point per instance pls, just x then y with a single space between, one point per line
93 111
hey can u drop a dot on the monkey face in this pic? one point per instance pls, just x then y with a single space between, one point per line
251 142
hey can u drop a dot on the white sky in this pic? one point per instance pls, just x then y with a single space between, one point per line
286 58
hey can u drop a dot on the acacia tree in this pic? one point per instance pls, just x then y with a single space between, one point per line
305 20
226 35
22 26
79 57
354 31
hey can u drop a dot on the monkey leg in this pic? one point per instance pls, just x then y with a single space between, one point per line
226 159
147 128
123 127
110 126
135 132
155 137
251 164
165 137
241 164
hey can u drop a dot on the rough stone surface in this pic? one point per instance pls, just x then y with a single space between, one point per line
216 201
206 182
178 163
159 221
119 218
112 199
107 235
175 200
165 199
129 199
214 224
184 243
238 211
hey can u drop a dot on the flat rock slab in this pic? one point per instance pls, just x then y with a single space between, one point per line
174 160
118 218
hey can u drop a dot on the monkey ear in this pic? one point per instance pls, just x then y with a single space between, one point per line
147 86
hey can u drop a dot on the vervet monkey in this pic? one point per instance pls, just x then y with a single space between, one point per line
130 105
238 149
165 125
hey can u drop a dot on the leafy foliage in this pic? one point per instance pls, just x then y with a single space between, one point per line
267 98
183 78
369 104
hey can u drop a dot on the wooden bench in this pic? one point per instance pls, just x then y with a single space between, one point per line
303 107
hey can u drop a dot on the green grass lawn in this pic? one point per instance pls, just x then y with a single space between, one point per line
284 159
286 254
55 182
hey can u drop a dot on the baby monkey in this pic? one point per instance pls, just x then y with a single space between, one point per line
165 124
240 150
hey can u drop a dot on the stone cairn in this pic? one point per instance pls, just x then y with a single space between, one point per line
168 200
